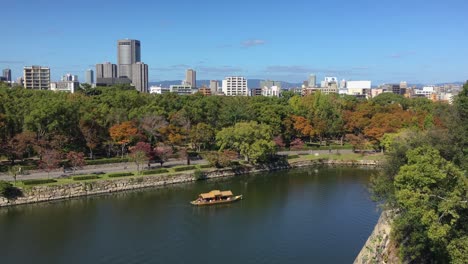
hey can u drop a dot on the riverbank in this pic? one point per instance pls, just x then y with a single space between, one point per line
45 193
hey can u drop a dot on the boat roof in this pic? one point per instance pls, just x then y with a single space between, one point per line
215 193
226 193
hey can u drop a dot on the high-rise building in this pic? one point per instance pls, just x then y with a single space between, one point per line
214 87
89 76
106 70
140 76
128 53
235 85
191 78
312 80
36 77
7 74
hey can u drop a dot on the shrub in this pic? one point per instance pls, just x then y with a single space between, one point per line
185 168
204 166
106 161
199 175
4 186
120 174
85 177
293 156
157 171
38 181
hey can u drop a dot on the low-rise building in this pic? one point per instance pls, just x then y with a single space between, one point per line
256 92
358 87
205 91
158 90
183 89
426 91
274 91
65 86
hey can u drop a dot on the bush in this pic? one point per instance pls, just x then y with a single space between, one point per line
293 156
120 174
38 181
199 175
185 168
106 161
85 177
204 166
4 187
157 171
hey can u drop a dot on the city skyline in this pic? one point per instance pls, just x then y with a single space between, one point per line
417 42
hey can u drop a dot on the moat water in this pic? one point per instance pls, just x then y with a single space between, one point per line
312 215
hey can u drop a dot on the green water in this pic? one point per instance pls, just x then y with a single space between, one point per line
300 216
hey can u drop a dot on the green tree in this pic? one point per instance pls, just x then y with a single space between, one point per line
461 127
252 140
14 171
201 136
432 195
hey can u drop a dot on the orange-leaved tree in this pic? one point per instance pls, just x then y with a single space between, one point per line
123 133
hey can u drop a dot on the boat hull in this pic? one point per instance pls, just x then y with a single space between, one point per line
213 202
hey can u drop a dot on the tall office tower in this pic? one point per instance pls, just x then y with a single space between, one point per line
128 53
7 74
89 76
312 80
214 87
235 85
36 77
191 78
140 76
106 70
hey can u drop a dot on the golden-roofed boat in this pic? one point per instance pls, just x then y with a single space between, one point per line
216 197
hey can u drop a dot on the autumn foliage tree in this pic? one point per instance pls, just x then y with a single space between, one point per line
140 154
122 134
162 153
76 160
50 160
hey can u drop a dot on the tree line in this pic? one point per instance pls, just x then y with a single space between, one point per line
110 121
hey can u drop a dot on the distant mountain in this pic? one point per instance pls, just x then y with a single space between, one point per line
251 83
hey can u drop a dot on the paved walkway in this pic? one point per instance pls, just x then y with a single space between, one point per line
130 166
90 169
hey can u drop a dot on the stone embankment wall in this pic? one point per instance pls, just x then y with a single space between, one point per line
46 193
378 247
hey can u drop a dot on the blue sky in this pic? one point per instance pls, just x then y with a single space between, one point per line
383 41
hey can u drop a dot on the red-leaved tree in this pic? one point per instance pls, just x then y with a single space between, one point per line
76 160
140 154
50 160
162 153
